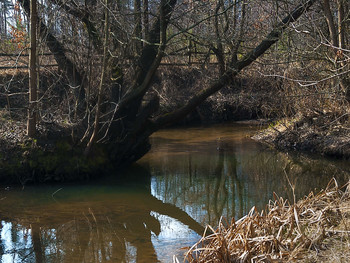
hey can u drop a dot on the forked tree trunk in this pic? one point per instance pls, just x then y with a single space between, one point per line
330 22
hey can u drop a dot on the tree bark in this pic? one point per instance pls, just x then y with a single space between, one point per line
31 124
330 23
145 18
138 25
341 24
219 50
37 245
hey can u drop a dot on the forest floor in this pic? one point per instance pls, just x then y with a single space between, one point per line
314 229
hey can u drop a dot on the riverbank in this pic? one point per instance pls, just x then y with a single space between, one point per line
323 134
55 154
314 229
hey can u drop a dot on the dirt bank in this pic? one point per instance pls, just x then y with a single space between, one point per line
319 133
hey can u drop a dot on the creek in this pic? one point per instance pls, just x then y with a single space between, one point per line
192 177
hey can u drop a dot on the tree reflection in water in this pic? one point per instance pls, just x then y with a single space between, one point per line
215 172
85 224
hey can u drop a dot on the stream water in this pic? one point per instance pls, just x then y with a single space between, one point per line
192 177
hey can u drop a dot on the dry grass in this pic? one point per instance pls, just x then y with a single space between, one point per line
315 229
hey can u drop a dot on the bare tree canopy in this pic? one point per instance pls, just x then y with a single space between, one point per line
110 52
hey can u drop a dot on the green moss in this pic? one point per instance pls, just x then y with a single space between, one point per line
65 162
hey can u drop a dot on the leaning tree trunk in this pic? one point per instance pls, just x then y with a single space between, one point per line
129 136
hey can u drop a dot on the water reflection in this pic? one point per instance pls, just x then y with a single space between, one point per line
219 171
190 179
104 223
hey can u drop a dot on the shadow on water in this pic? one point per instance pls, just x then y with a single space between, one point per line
191 178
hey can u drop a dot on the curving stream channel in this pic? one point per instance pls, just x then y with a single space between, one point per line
191 178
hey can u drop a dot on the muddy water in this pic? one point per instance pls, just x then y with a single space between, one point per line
191 178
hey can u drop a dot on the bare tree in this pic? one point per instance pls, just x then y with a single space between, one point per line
124 118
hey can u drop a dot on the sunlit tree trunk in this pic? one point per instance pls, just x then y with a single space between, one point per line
341 23
2 19
31 124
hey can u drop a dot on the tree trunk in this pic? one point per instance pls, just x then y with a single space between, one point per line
330 22
337 35
32 109
145 18
219 51
57 49
341 24
37 244
138 25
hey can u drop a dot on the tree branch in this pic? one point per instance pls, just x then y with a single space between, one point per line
74 76
225 78
84 16
152 54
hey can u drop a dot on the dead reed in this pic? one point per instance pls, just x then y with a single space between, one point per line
284 232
